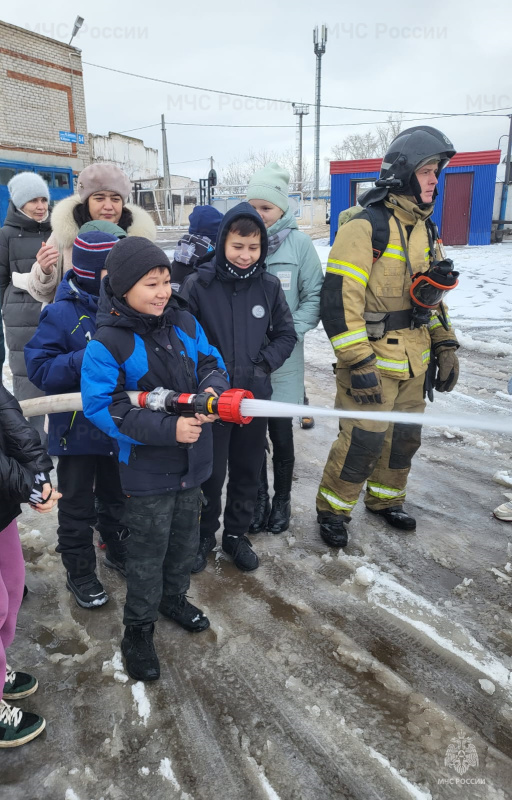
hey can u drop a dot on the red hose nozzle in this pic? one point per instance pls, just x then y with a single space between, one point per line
228 406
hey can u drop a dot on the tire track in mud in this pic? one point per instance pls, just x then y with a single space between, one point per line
365 701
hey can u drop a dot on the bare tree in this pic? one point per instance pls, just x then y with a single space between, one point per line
238 173
370 144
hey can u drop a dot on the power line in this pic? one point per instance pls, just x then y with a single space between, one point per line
436 114
192 161
323 125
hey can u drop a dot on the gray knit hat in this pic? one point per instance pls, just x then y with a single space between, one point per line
27 186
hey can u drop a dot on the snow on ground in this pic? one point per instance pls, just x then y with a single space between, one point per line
324 674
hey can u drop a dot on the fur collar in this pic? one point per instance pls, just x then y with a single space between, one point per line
65 228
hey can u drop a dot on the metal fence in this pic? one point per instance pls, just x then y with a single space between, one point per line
170 208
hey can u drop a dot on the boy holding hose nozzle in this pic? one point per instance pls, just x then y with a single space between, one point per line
146 340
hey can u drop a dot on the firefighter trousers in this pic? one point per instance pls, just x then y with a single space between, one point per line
377 452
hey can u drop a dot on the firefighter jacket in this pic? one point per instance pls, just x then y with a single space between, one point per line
355 286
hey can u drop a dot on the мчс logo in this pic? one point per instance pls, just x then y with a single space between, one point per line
461 754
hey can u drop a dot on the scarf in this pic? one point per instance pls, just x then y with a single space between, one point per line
276 239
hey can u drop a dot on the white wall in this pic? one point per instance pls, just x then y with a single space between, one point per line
130 154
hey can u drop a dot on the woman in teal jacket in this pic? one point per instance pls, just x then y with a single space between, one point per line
293 259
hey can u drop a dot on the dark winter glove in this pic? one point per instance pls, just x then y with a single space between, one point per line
365 382
36 495
447 367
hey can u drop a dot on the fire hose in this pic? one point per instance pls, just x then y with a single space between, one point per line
239 407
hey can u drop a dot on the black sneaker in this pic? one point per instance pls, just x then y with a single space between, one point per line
332 529
17 726
184 613
240 549
18 684
88 591
115 553
206 546
396 517
139 652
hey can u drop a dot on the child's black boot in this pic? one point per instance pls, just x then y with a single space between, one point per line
115 556
139 652
184 613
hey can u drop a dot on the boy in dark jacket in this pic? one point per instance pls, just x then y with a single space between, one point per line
24 477
145 341
245 314
197 246
87 470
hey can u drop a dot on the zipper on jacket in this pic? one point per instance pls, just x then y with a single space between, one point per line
63 442
185 362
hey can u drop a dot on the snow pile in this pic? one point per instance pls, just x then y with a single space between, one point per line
487 686
115 667
364 576
166 771
141 701
502 477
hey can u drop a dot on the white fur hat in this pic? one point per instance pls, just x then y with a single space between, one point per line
27 186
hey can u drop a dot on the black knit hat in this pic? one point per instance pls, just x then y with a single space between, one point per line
129 260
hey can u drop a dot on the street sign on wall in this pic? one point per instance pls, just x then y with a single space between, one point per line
69 136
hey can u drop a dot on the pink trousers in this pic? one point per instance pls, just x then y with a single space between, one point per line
12 580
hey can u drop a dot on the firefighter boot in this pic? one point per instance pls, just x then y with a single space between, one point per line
332 529
396 517
279 519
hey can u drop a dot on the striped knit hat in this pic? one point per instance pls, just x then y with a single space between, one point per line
90 251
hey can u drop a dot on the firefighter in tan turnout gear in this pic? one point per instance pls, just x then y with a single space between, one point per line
382 308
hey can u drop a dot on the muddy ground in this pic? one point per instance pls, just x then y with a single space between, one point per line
315 680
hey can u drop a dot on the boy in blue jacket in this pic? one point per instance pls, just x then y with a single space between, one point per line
145 340
87 471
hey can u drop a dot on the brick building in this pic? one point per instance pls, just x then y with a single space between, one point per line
43 125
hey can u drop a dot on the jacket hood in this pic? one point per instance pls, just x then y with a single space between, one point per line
66 229
117 313
17 219
221 263
69 290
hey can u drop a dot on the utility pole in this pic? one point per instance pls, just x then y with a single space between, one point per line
506 182
300 110
167 175
319 48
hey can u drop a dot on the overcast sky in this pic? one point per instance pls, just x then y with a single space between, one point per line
436 56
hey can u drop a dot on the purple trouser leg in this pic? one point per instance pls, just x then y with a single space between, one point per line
12 579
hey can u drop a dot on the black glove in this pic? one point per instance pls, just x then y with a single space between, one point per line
365 381
447 367
36 495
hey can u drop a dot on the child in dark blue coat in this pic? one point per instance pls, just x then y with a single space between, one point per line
245 314
147 340
87 469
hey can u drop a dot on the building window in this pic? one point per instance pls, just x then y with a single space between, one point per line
6 173
62 180
46 176
357 188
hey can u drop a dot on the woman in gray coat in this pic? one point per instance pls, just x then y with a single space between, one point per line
27 226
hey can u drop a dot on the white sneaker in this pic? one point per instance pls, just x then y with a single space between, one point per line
504 511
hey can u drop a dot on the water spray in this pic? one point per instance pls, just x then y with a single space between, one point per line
239 406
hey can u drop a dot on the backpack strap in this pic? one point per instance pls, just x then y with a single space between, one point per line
378 217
